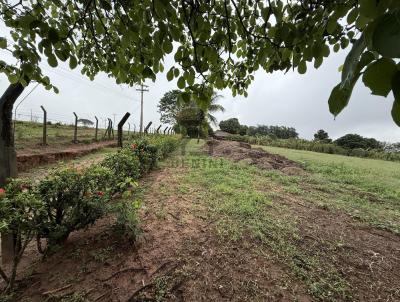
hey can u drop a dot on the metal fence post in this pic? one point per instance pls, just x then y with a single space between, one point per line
129 128
120 125
147 127
44 139
97 128
76 129
165 130
158 129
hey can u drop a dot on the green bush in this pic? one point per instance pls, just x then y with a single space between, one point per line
21 214
68 199
73 201
123 164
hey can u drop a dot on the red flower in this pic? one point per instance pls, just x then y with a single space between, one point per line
100 193
2 192
133 146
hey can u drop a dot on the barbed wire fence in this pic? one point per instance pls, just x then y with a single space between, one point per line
59 128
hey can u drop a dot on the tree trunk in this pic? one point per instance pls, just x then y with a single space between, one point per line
8 158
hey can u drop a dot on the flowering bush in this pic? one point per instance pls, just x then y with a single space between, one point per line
68 199
73 201
21 214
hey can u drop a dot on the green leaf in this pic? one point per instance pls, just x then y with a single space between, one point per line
181 83
386 35
27 68
352 60
339 99
336 47
378 76
396 112
167 46
3 43
352 16
13 78
331 25
170 74
302 68
73 62
368 8
52 60
396 85
52 35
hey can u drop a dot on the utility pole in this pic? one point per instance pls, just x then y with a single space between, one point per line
141 89
114 119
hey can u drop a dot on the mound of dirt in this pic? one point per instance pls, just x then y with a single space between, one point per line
244 153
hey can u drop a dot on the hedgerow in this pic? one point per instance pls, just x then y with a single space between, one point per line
69 199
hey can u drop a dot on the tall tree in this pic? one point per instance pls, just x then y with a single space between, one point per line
231 126
322 136
174 109
169 106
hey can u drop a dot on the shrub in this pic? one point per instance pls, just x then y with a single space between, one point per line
123 164
21 214
73 201
146 153
127 224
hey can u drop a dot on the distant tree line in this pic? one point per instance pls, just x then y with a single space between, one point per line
233 126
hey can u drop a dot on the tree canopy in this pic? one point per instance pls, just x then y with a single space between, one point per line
215 44
188 115
353 141
322 136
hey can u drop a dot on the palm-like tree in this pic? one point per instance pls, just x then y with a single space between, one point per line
214 107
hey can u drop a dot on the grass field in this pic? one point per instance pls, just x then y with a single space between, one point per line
366 189
29 135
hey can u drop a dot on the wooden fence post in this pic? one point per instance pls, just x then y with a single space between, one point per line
147 127
44 139
120 125
97 128
76 129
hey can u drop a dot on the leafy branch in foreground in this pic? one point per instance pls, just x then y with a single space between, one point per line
215 44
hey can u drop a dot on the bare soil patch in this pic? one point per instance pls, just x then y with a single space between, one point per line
27 159
243 152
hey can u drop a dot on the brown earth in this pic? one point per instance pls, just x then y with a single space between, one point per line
28 159
179 256
244 153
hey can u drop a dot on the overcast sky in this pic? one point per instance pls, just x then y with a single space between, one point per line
290 99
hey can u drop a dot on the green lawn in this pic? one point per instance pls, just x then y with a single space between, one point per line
367 189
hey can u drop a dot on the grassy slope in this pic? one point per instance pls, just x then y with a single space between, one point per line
246 201
29 134
366 189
